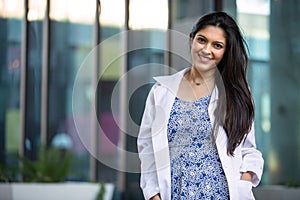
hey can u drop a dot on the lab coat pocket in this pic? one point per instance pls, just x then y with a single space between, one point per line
245 190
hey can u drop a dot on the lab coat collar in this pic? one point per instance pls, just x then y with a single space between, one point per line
172 83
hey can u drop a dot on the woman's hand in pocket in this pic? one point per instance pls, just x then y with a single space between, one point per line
245 186
247 176
245 190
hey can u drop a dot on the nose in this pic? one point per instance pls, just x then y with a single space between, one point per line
206 49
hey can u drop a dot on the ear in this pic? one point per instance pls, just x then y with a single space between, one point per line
191 39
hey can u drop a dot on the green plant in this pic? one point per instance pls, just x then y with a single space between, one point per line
6 174
52 165
292 183
101 192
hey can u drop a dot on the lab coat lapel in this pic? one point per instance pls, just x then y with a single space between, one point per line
164 99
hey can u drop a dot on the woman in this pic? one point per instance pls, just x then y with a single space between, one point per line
196 138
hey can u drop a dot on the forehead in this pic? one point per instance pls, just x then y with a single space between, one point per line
214 33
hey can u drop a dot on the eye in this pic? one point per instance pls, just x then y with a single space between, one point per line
218 46
201 40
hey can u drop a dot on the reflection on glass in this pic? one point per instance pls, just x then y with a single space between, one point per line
75 11
11 8
145 14
254 18
259 7
36 10
112 13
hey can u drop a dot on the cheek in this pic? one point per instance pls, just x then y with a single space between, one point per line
196 47
193 49
192 45
220 55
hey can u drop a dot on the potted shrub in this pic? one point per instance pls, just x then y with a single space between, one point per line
45 177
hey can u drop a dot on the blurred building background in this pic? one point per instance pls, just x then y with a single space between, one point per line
45 43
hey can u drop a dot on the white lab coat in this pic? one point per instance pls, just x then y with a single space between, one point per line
154 151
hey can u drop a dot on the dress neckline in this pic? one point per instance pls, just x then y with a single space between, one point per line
197 100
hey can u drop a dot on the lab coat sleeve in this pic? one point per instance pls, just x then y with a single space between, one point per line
148 179
252 158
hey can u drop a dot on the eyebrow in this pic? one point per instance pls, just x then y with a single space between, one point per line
206 38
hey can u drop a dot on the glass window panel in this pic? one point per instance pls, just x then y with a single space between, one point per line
284 95
184 15
33 89
111 65
11 14
71 40
36 14
146 54
144 59
192 9
253 17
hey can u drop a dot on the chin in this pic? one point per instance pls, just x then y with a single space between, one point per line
205 66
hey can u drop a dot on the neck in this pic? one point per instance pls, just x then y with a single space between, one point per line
199 79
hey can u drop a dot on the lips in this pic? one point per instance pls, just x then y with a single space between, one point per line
205 59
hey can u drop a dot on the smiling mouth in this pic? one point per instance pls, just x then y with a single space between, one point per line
205 59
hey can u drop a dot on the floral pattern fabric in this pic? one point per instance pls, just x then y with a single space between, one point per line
196 169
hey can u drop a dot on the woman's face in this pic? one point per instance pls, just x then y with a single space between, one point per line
208 48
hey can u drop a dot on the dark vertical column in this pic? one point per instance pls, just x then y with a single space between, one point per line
285 86
3 85
218 5
123 177
23 77
94 165
44 81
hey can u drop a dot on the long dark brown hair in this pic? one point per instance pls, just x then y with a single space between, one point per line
235 108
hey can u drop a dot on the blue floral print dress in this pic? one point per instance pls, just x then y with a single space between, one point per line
196 170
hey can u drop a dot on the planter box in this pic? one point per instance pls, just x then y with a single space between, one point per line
276 192
51 191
